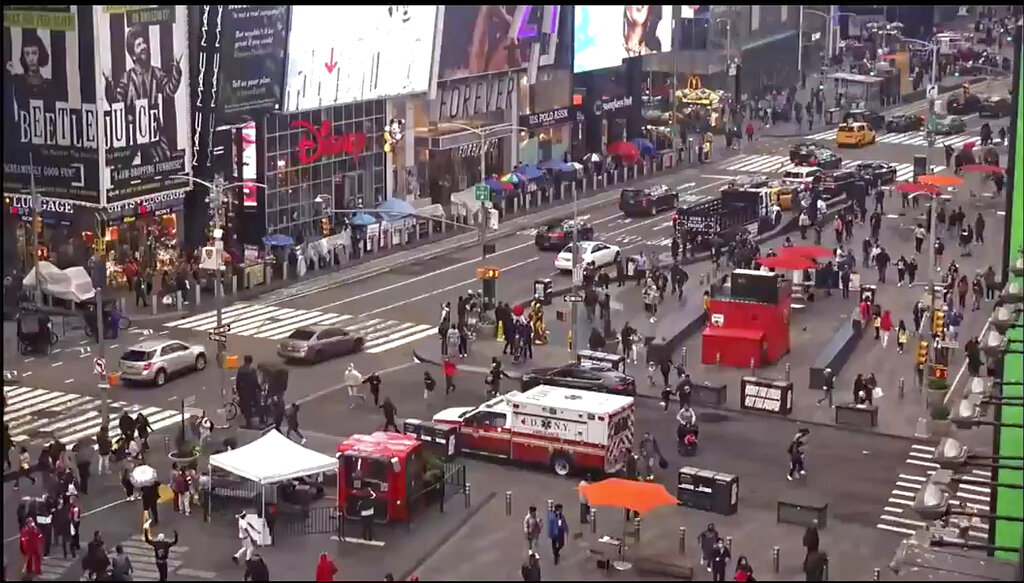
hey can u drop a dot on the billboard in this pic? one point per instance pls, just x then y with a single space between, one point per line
252 60
344 54
477 40
143 58
49 101
605 35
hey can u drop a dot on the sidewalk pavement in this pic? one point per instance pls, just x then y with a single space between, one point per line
370 266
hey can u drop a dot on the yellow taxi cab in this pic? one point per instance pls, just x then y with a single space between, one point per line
783 194
855 134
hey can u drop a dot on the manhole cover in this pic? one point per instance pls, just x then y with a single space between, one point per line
712 417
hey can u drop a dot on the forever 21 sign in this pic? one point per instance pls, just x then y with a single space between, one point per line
544 119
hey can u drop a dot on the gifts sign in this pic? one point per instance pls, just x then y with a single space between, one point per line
321 142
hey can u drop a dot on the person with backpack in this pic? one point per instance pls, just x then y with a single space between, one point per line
121 568
96 561
532 527
182 491
161 551
429 384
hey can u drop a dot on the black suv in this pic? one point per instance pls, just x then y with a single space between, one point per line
814 155
995 107
647 201
958 104
883 172
872 118
555 235
586 376
909 122
835 182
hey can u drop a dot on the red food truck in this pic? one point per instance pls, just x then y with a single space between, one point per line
389 464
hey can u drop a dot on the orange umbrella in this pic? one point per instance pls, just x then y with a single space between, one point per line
939 180
639 496
990 168
915 188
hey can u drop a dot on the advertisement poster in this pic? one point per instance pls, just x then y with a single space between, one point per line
254 39
50 124
143 52
605 35
477 40
250 196
345 54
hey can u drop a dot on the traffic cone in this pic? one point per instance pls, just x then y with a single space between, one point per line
501 332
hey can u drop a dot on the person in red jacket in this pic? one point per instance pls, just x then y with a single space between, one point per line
32 548
886 326
750 131
325 569
449 376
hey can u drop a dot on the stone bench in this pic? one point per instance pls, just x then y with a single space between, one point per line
663 565
802 510
837 351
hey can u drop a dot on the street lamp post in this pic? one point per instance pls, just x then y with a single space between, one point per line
217 189
37 223
728 36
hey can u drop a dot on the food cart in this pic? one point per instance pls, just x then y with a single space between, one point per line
391 465
700 104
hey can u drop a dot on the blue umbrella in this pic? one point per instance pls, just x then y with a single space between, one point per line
362 219
497 185
530 172
278 240
645 146
394 209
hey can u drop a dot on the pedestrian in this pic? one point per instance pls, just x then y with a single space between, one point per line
374 381
901 337
353 380
720 556
796 456
277 408
531 567
182 489
463 341
814 566
844 282
978 290
882 261
325 569
706 540
127 426
584 506
31 544
886 327
626 339
74 525
828 385
750 131
256 569
96 560
962 288
161 551
429 384
558 529
24 467
126 480
291 418
150 494
989 277
744 572
811 541
979 229
83 461
901 270
143 428
449 376
247 536
61 526
532 526
121 568
911 271
103 448
390 411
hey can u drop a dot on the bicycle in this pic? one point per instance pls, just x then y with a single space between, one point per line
231 409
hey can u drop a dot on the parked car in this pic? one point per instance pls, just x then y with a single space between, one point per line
600 253
647 201
800 175
874 119
554 235
883 172
585 376
316 343
948 125
855 134
835 182
995 107
958 104
814 155
156 361
909 122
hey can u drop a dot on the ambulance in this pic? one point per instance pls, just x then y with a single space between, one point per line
567 430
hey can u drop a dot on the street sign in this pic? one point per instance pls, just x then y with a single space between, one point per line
482 193
99 366
222 329
572 298
815 36
932 92
217 337
189 401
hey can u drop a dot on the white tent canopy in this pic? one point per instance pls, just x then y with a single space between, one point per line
71 284
273 458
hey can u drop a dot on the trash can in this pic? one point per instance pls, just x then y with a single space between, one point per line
542 291
832 116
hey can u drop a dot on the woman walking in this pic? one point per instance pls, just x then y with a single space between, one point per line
901 337
886 327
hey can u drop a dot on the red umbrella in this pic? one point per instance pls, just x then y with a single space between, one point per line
989 168
786 262
625 150
916 187
807 251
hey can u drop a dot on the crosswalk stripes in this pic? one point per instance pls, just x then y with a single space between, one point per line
275 323
54 566
905 138
767 164
36 416
143 563
974 490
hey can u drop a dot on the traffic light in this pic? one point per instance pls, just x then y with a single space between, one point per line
488 273
938 322
922 353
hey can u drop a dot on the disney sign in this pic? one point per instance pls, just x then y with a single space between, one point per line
322 142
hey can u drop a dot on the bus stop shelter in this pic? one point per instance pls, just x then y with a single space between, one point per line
861 91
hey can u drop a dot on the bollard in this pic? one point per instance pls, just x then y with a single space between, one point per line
877 575
775 559
467 495
718 359
728 543
902 384
683 357
178 300
753 369
198 294
682 540
155 302
593 521
788 369
508 503
636 529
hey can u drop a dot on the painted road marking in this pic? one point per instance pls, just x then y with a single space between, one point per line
770 164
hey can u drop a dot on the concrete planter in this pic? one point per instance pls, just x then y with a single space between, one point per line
940 428
936 398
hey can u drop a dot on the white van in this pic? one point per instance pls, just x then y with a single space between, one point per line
801 175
